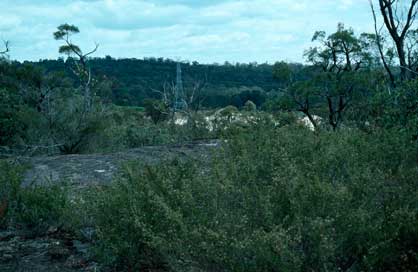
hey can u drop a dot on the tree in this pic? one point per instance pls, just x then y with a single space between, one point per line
284 74
195 93
82 71
191 98
398 18
380 41
304 97
331 81
340 56
80 120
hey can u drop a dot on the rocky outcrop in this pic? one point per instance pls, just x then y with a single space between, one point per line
93 169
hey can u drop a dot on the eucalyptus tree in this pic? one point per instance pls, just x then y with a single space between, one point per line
81 60
332 80
296 90
340 56
398 18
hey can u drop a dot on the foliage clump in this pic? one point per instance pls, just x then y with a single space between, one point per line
34 207
276 199
156 110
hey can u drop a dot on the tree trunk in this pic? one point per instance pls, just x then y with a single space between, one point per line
402 59
398 27
87 98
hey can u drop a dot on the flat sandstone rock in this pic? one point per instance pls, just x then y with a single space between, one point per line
93 169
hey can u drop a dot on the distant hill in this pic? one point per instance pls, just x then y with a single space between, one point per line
134 80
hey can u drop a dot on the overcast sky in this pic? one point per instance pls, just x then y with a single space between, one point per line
203 30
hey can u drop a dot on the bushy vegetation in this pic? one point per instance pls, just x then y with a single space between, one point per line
34 207
282 199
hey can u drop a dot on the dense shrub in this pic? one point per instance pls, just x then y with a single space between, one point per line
400 109
34 207
280 199
76 130
156 110
9 190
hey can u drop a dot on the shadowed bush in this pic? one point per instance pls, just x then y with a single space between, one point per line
34 207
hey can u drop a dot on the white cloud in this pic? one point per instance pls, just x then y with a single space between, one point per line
207 31
9 21
345 4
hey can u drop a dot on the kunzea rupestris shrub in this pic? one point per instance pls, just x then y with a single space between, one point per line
283 199
34 207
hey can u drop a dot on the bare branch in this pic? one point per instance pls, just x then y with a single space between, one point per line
6 48
398 26
92 51
410 70
380 46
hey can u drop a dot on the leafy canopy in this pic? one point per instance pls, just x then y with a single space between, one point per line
65 31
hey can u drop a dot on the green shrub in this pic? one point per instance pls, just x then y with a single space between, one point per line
10 179
127 127
156 110
41 207
281 199
76 130
34 207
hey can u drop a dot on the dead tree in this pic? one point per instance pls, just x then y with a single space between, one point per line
194 94
192 97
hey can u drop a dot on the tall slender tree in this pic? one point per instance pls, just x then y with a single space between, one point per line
82 67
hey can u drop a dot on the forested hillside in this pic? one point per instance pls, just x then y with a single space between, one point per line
134 80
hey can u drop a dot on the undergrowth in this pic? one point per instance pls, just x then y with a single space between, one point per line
283 199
